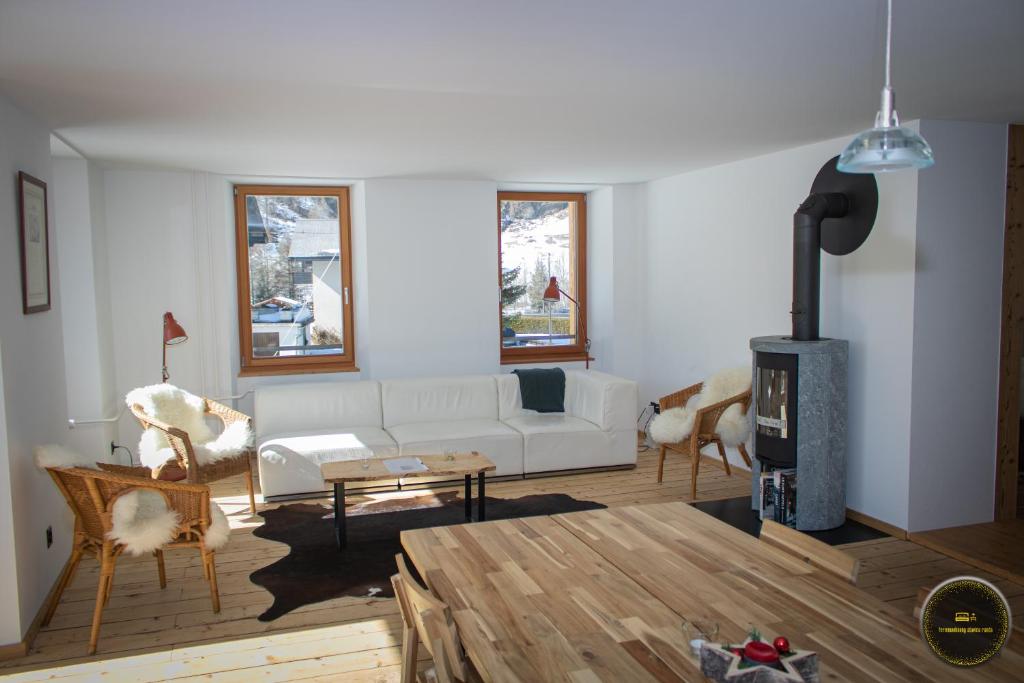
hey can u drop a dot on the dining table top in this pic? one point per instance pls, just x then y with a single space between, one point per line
602 595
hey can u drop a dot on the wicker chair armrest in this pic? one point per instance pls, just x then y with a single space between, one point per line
681 397
133 471
738 398
180 441
227 415
715 410
149 421
144 482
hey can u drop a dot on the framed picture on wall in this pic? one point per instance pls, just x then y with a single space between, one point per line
34 241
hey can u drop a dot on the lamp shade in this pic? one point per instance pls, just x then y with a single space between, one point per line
173 332
552 293
883 149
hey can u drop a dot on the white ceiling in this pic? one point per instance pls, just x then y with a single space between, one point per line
527 90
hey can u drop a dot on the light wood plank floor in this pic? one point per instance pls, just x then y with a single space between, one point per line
996 547
894 570
153 635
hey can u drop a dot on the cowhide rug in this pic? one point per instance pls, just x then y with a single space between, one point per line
314 570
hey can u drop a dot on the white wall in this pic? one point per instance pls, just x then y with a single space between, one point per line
34 394
433 294
85 310
615 234
10 619
718 272
153 259
958 290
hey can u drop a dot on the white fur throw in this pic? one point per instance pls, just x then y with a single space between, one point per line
52 455
675 424
179 408
219 531
142 523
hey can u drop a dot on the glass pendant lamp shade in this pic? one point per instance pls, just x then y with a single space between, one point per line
888 146
884 149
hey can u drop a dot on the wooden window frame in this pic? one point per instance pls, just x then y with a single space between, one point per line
578 268
291 365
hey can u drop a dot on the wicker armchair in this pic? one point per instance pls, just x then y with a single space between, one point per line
186 465
704 430
91 495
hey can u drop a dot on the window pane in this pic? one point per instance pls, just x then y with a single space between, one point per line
536 244
295 275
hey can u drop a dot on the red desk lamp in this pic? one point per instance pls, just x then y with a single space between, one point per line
173 334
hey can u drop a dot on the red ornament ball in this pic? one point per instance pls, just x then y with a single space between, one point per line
781 644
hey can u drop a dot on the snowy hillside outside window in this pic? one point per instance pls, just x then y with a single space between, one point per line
294 279
542 235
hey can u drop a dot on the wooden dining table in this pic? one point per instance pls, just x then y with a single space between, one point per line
602 595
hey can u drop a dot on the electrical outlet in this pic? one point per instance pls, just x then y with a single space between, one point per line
49 536
113 447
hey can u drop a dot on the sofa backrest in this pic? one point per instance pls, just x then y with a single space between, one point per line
439 399
316 406
510 401
609 402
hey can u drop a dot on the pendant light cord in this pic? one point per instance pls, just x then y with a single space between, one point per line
888 47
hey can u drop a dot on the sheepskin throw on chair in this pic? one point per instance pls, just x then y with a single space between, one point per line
675 424
178 408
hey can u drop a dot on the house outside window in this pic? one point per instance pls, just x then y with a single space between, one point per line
541 235
294 279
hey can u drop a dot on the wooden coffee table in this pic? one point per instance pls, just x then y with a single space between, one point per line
465 464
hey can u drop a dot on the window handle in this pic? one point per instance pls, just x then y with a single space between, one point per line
345 290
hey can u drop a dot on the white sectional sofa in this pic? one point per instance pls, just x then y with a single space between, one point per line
299 426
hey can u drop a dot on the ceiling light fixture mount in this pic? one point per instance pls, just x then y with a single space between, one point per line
888 146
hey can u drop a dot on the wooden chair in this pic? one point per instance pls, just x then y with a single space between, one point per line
811 550
186 466
91 495
427 620
703 433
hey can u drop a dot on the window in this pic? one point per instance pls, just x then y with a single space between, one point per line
294 279
542 235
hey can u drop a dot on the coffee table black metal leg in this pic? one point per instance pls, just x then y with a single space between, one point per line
480 514
469 498
339 515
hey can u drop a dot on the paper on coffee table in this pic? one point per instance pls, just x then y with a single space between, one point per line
405 465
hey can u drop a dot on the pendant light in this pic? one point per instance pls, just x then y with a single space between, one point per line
888 146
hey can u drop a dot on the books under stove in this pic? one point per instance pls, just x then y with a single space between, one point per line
777 490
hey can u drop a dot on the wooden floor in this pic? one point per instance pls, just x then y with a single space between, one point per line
995 547
894 570
151 634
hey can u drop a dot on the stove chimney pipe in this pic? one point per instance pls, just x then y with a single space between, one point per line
837 216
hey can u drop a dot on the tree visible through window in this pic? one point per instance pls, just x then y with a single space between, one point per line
543 235
294 279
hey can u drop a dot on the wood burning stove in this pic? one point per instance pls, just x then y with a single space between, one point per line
800 380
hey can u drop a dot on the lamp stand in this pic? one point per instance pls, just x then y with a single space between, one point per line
164 373
583 327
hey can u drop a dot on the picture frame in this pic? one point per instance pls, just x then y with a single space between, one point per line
34 243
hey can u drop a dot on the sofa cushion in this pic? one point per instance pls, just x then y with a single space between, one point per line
561 442
315 406
550 424
290 462
499 442
439 399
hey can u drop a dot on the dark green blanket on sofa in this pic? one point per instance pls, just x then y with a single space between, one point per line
542 390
